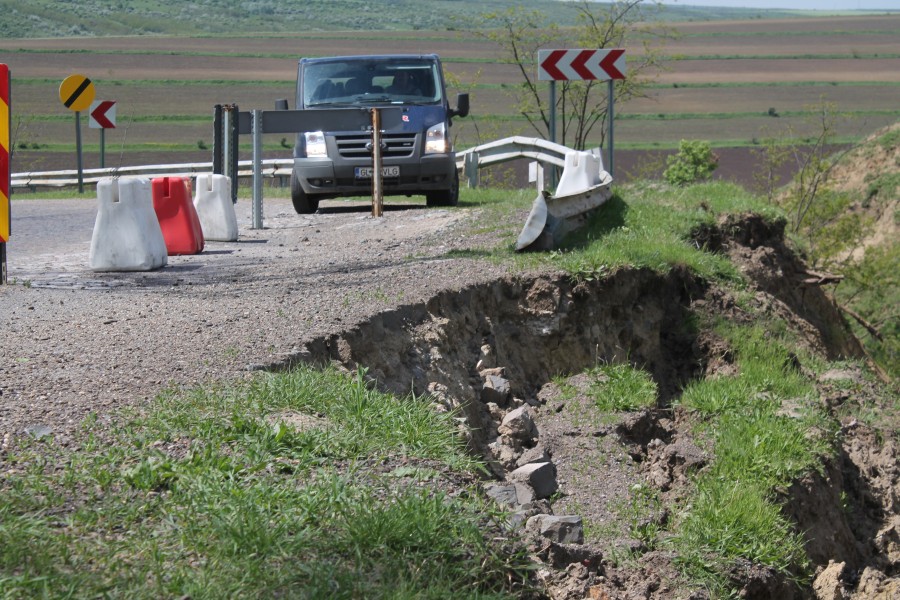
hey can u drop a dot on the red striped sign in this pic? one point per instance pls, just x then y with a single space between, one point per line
578 65
4 153
103 115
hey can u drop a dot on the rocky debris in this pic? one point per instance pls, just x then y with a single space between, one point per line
668 464
828 584
541 477
567 529
518 427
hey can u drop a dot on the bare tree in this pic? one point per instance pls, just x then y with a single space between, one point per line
581 104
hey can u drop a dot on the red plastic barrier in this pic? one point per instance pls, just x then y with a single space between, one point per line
177 216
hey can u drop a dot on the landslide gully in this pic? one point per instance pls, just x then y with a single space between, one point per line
343 288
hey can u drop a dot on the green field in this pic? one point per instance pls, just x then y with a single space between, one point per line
731 82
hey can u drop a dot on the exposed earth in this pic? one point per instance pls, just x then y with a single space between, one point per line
383 293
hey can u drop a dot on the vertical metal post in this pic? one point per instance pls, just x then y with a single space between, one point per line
256 129
78 152
377 180
553 176
218 151
226 143
553 111
610 116
233 146
102 147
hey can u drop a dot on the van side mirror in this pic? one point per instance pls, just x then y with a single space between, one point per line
462 106
281 104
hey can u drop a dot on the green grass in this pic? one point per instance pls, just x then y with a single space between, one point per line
621 388
766 430
652 229
212 494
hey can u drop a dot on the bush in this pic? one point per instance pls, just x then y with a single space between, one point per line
694 162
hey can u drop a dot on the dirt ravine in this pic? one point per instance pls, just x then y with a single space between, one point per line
382 293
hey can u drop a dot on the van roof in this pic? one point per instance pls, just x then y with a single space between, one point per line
375 57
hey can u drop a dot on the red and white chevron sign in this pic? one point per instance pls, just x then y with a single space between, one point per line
103 115
577 65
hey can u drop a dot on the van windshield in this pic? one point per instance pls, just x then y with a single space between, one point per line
392 81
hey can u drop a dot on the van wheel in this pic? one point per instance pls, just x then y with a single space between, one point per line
445 197
303 204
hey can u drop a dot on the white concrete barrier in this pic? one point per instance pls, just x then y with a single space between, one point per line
582 171
215 208
127 235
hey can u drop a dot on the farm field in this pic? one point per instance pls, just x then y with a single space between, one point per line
732 83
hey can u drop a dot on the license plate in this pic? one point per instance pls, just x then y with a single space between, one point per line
366 172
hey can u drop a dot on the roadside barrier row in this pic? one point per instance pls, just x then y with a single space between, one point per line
141 222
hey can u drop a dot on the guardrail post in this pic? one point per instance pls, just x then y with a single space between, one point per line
257 211
470 169
233 134
217 141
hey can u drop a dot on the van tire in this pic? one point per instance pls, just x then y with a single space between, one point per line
448 197
303 204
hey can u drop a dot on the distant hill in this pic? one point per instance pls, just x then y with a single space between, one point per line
54 18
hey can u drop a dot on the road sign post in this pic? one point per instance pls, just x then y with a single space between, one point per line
76 92
103 117
582 65
5 153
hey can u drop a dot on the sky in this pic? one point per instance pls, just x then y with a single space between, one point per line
790 4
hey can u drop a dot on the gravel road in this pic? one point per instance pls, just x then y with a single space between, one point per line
75 342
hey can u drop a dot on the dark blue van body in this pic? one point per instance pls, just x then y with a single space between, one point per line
416 149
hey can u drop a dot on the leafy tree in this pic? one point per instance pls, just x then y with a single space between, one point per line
694 162
582 104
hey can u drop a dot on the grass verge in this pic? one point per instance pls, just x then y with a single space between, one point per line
305 484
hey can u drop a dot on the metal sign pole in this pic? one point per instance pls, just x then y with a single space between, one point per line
257 211
553 173
610 116
78 151
102 147
553 111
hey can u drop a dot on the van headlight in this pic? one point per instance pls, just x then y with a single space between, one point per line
315 144
436 140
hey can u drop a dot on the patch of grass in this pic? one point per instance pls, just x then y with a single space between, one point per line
213 494
621 388
766 431
649 225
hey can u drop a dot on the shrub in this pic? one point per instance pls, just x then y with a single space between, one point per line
694 162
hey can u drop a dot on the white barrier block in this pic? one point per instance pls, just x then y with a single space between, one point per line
215 208
582 172
127 235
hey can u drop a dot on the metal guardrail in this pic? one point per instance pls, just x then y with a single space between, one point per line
546 153
280 167
468 161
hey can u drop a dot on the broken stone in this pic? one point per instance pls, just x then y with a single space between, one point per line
562 555
519 425
524 494
495 389
505 454
567 529
540 476
503 494
533 455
